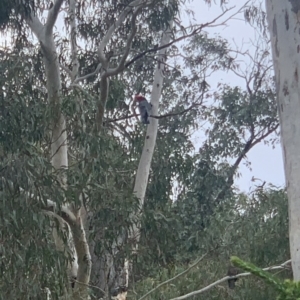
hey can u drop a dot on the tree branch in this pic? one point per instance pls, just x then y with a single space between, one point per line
115 25
63 211
73 39
36 26
174 278
195 31
52 16
248 146
176 114
92 286
280 267
104 87
155 117
88 75
121 66
66 69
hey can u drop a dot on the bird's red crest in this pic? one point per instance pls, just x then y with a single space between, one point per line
139 97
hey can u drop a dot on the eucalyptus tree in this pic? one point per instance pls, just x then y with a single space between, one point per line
104 38
283 19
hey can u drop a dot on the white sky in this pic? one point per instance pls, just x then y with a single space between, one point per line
266 162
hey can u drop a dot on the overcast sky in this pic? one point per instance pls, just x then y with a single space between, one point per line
266 162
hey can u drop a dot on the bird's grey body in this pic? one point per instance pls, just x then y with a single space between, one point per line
145 110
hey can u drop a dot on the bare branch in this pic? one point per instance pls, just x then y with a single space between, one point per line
121 118
175 277
115 25
52 16
194 32
247 147
88 75
265 135
36 26
178 113
280 267
121 66
155 117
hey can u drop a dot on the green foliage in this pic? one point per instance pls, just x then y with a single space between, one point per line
287 289
291 291
254 228
267 277
100 165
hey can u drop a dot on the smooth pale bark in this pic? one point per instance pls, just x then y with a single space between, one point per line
111 276
284 25
77 228
142 174
81 266
143 170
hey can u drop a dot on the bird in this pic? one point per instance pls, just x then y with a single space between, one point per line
144 107
232 271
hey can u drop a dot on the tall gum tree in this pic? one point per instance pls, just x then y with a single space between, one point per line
284 26
59 148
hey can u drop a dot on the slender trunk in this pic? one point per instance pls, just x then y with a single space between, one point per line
284 25
81 265
142 174
110 274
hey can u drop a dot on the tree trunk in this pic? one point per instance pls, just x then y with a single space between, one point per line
110 275
81 264
284 25
142 174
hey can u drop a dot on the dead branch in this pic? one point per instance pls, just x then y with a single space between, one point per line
247 147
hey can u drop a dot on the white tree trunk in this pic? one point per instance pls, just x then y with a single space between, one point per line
142 174
80 267
284 25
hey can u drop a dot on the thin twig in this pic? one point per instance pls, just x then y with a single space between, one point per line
194 32
175 277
